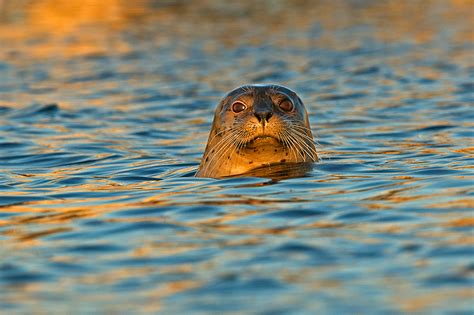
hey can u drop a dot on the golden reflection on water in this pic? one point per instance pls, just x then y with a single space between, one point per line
42 213
59 19
35 31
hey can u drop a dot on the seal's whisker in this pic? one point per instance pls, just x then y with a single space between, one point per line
297 124
233 143
296 144
302 134
224 144
218 146
247 89
216 164
228 142
293 146
310 150
219 162
306 147
241 142
221 132
303 131
312 136
306 131
221 143
287 144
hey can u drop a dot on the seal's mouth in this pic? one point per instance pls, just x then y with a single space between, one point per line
263 140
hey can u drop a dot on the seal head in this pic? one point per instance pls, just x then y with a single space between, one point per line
257 127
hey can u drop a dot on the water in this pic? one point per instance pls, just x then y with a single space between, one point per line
105 108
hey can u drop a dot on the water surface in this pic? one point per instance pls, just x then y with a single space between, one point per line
105 109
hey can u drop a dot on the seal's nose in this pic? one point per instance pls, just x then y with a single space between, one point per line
263 115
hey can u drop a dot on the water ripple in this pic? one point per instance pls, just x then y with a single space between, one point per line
104 116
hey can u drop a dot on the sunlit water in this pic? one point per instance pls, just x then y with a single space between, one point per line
104 115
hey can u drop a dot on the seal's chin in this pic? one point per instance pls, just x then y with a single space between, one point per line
263 140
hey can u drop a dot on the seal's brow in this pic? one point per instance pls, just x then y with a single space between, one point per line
243 90
248 90
274 88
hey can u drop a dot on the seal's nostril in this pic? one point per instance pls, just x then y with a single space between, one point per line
263 115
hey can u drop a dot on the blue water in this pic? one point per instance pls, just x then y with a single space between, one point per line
104 116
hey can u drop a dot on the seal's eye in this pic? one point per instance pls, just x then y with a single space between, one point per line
286 105
237 107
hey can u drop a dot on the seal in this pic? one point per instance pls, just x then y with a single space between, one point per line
257 127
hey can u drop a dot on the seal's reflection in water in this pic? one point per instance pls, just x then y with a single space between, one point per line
280 171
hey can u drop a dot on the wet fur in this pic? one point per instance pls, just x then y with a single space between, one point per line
231 148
